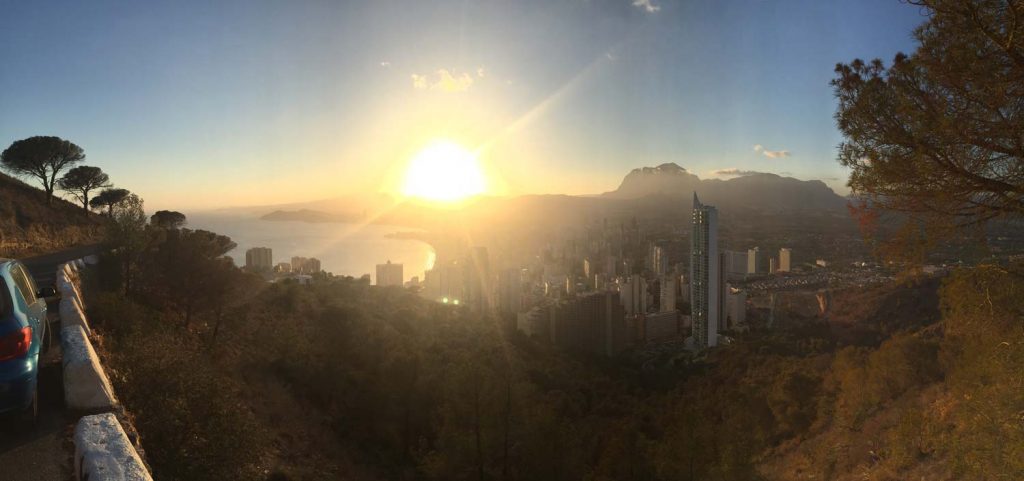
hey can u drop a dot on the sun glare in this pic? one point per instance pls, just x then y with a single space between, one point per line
444 171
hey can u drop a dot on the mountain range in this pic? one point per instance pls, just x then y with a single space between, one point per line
665 189
759 191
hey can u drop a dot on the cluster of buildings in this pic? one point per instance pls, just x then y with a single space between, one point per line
261 260
742 265
609 290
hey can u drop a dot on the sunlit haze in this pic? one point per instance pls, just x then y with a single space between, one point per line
444 171
259 102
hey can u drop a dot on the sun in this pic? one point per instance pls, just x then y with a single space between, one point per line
444 171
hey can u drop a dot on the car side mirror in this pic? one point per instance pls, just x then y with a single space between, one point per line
47 292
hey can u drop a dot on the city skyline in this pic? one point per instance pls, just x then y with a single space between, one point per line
307 103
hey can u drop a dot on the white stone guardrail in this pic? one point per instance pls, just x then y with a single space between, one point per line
102 449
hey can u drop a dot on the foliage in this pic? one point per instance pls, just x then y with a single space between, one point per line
43 158
936 134
83 179
126 235
109 198
192 417
167 219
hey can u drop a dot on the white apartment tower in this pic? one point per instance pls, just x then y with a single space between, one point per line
753 255
389 274
705 275
784 259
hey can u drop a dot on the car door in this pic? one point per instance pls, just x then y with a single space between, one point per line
34 307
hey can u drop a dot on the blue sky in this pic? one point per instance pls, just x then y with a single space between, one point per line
209 104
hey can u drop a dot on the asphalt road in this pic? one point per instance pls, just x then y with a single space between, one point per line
44 452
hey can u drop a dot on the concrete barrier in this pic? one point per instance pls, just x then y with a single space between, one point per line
72 314
104 453
102 450
86 386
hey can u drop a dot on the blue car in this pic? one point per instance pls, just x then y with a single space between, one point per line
22 331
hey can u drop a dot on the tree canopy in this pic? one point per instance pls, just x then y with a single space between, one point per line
83 179
937 134
43 158
109 198
167 219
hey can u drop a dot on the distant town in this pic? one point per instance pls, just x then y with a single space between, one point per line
261 261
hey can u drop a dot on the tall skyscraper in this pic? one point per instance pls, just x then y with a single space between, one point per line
658 260
389 274
735 265
633 293
259 258
705 274
784 259
753 257
510 289
667 296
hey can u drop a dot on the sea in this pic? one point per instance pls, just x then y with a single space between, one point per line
343 249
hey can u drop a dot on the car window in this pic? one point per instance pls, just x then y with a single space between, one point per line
24 284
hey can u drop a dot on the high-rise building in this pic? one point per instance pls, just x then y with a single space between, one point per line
658 260
772 265
389 274
510 290
735 308
735 265
784 259
477 278
633 293
312 266
668 294
259 259
753 257
594 322
705 275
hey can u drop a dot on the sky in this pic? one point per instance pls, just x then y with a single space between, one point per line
199 104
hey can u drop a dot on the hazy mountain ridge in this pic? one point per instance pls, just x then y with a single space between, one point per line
666 187
762 191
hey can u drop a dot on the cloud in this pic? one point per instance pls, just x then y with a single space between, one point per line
734 172
385 64
480 72
419 82
647 5
442 80
774 154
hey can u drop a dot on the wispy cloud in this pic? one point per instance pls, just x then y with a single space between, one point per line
734 172
419 82
774 154
385 64
480 72
647 5
444 80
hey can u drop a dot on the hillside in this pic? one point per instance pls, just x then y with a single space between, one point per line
29 226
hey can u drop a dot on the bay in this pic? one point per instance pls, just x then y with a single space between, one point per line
343 249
